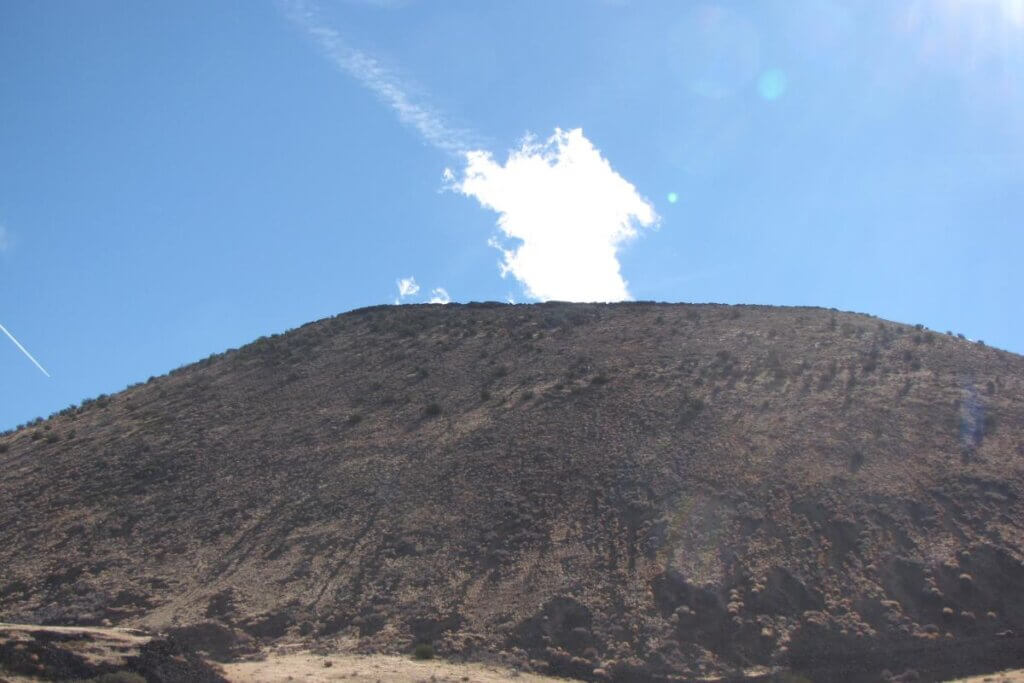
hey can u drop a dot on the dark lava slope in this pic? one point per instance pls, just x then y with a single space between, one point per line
631 491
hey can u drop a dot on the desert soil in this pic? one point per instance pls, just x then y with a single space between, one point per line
1015 676
314 668
307 666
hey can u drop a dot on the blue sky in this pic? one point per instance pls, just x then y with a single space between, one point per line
180 178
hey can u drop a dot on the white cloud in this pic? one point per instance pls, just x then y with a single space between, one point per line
407 286
379 80
439 296
569 209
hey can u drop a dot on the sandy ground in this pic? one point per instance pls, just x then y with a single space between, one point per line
127 634
107 645
304 666
1016 676
110 644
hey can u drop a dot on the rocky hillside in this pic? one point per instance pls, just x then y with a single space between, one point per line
628 492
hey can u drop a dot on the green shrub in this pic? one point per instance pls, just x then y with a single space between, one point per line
423 651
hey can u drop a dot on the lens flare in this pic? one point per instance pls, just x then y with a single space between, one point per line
673 197
714 51
772 84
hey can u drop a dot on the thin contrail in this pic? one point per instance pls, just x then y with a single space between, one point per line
379 80
24 350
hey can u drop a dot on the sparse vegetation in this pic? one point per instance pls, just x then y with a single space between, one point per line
735 509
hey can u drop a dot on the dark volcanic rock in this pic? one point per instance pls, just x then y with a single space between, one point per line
643 490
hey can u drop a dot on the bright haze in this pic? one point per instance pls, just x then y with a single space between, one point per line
184 178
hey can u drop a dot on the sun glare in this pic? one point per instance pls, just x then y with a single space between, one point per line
983 25
979 41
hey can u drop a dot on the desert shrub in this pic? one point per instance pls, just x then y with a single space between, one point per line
527 395
36 436
355 418
690 408
432 409
423 651
871 361
828 375
52 437
990 423
3 447
485 395
599 379
856 460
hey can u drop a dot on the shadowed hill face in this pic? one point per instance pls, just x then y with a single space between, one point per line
637 489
